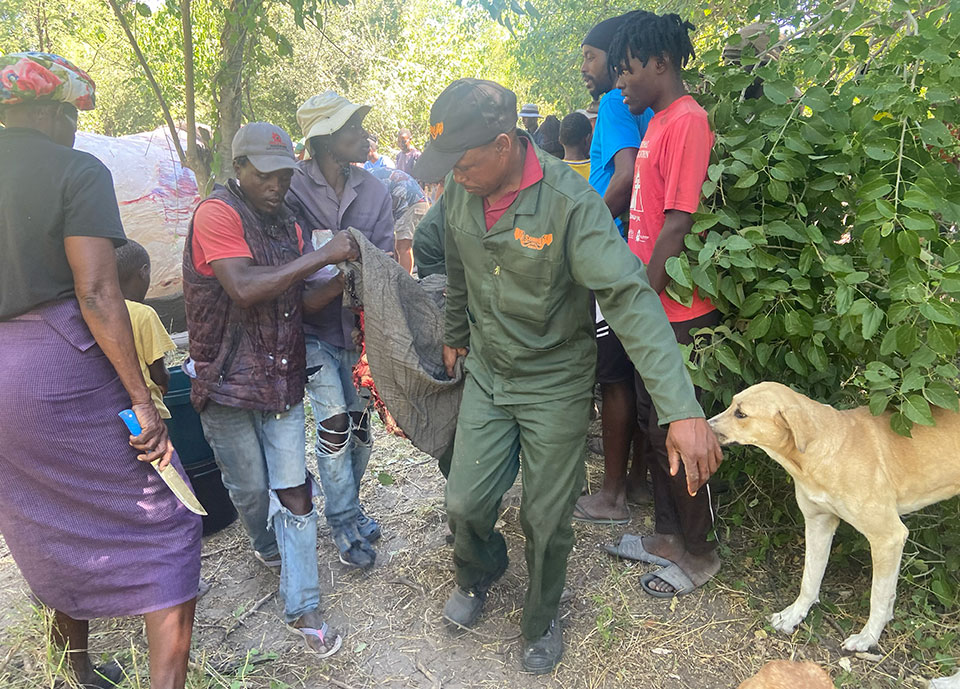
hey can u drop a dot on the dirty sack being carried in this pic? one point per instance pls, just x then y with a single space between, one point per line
403 332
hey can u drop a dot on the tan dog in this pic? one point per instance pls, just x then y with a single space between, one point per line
787 674
847 465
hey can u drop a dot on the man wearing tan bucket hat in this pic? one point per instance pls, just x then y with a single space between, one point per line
329 193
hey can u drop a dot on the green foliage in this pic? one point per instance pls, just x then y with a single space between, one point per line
394 55
547 51
828 242
828 237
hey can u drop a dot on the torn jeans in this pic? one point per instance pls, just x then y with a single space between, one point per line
340 464
259 453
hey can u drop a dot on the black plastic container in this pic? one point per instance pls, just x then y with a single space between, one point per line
186 434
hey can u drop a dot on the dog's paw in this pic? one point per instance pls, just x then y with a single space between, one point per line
786 620
860 643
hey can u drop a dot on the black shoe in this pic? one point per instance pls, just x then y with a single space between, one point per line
464 606
368 527
542 655
108 676
359 555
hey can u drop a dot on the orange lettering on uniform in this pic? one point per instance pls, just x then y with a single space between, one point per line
528 242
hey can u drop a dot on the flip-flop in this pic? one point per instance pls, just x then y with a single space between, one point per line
318 634
590 519
672 575
631 548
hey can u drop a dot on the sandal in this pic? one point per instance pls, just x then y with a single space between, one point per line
320 634
580 514
631 547
681 582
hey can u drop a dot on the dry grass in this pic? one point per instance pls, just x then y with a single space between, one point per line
615 635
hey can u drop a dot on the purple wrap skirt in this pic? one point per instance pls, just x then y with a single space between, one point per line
95 532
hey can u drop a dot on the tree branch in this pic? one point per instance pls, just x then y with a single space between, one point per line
153 82
845 5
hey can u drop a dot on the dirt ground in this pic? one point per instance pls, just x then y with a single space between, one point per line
615 635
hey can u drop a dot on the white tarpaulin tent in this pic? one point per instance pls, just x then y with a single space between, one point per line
156 194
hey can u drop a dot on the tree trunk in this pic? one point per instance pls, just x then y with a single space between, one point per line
200 167
41 22
229 85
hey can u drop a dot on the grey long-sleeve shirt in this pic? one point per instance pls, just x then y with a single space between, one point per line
365 205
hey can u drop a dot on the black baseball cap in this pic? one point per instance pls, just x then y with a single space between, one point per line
468 114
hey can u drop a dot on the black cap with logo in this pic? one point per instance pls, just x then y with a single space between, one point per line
468 114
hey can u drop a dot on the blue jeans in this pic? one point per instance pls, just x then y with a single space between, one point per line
341 464
258 454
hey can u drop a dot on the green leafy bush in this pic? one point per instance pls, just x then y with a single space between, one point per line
828 236
828 243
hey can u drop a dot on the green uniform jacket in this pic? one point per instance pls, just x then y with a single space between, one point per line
519 295
428 242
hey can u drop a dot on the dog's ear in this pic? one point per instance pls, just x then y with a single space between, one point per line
800 425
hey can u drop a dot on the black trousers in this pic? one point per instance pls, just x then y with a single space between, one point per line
676 512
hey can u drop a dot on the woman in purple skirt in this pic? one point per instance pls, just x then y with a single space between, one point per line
94 531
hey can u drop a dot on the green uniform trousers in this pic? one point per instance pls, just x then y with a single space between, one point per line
547 439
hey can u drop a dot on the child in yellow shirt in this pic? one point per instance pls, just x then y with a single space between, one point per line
576 133
149 335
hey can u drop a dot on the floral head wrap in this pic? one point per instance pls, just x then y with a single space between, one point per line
33 77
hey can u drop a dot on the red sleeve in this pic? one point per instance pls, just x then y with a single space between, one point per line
687 155
217 233
299 238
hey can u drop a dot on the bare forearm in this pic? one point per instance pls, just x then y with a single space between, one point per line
160 375
317 298
94 266
106 315
256 284
617 196
669 243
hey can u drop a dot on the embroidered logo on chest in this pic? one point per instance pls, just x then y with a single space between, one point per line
529 242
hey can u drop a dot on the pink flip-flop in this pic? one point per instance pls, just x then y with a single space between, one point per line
318 634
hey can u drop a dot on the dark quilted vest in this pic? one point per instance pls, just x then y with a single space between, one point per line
251 358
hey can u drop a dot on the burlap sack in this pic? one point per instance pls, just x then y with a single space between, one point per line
403 330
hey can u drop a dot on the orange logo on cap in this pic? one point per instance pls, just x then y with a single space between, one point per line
529 242
436 130
275 140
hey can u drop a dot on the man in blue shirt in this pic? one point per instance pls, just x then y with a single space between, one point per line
613 153
617 134
374 159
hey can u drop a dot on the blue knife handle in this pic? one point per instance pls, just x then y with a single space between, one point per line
133 424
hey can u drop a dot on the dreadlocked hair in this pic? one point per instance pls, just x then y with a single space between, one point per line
651 35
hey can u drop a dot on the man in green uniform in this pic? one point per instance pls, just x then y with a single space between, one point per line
526 240
428 254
